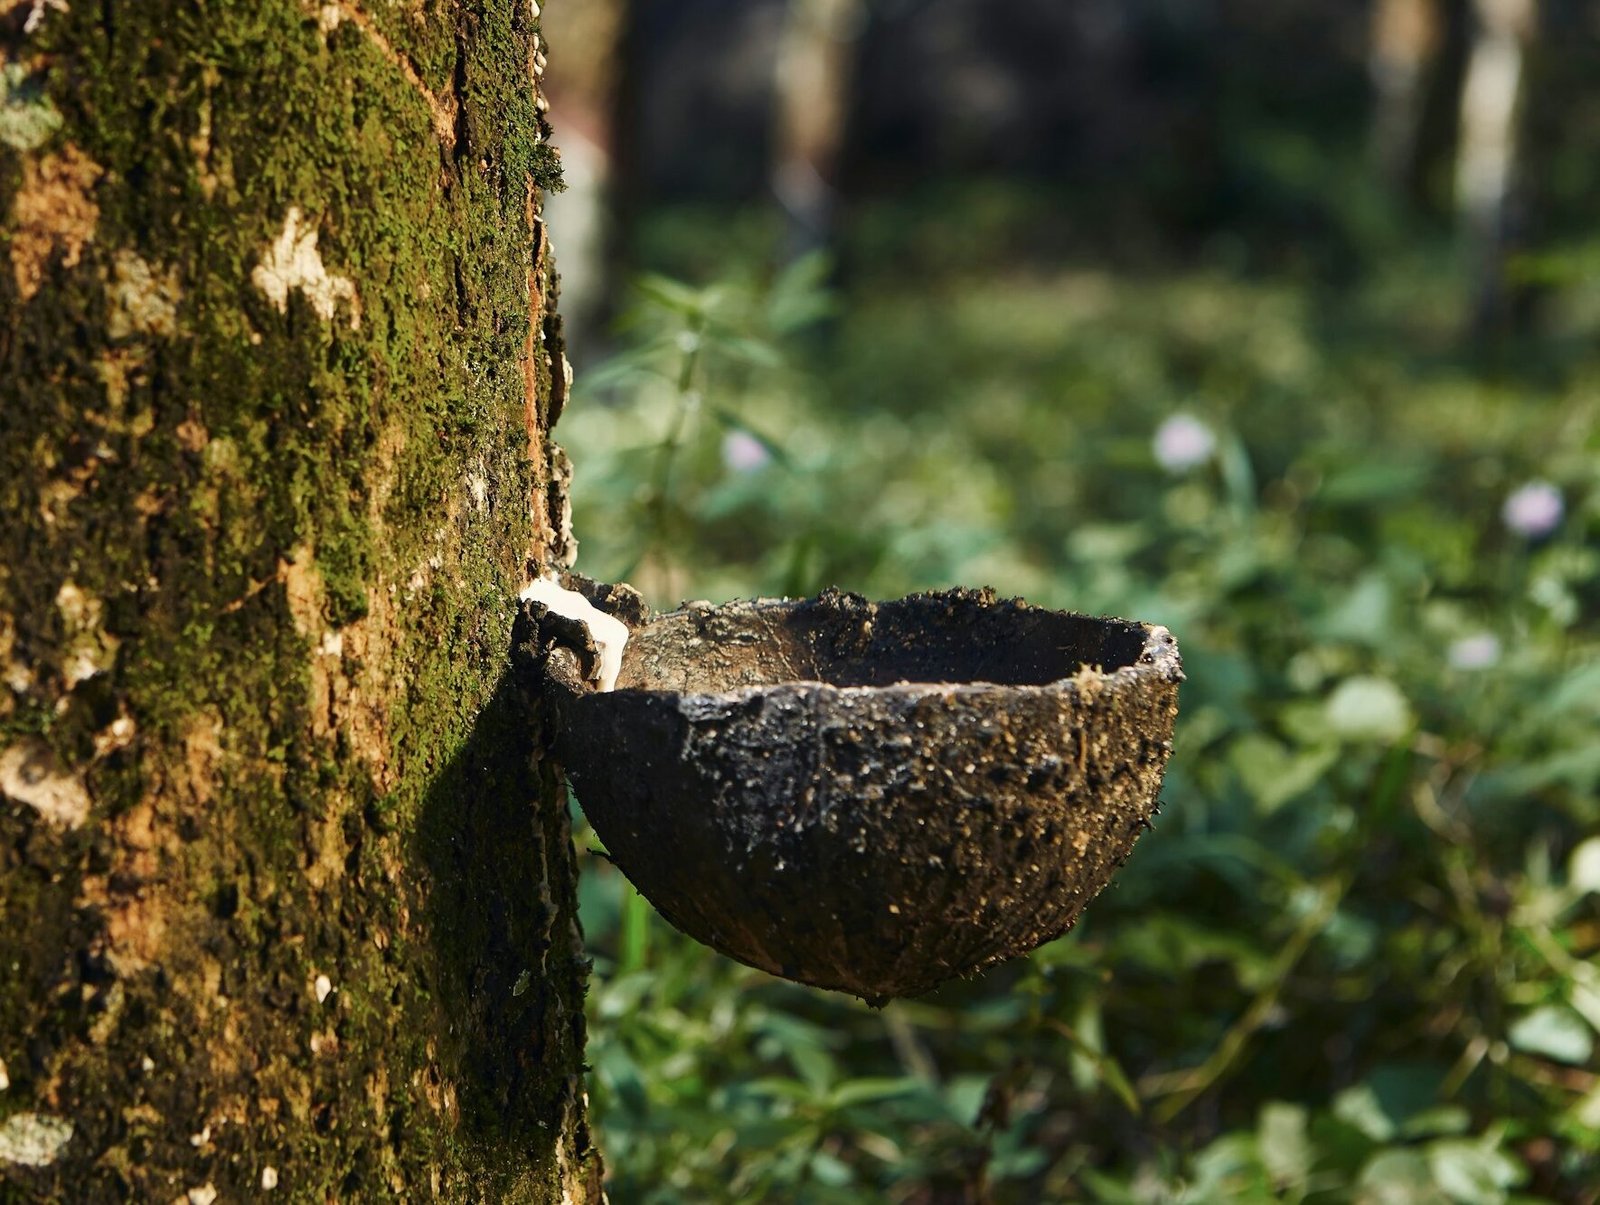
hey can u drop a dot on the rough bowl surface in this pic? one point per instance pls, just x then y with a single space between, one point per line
872 797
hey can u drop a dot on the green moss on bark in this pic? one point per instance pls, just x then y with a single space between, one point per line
263 611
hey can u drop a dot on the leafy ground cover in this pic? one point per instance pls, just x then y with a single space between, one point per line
1356 959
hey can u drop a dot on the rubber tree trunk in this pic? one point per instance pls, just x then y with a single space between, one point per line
1405 41
813 81
1486 162
582 85
286 903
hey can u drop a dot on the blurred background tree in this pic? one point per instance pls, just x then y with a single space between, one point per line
1273 323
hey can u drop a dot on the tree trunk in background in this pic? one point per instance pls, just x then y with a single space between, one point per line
285 902
813 81
1487 156
624 175
588 35
1405 42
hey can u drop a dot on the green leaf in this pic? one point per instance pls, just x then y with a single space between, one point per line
1577 768
616 1067
1554 1031
1226 1168
858 1091
1368 709
1238 475
1576 693
1360 1107
672 295
1437 1122
746 350
1107 542
799 297
1282 1139
963 1097
1272 773
1017 1164
780 1088
1472 1173
1121 1086
1371 480
1398 1177
831 1170
815 1066
1587 1111
1362 615
622 371
1583 868
1388 1098
1172 945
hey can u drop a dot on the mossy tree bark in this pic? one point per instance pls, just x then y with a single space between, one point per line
285 900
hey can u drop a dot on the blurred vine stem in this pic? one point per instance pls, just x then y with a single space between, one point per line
1183 1088
690 341
718 336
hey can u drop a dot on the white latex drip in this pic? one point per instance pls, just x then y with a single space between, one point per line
610 633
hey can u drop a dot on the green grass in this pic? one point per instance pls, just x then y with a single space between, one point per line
1356 959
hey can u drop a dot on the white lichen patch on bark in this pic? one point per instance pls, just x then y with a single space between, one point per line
89 649
144 301
36 12
478 489
53 210
569 1167
293 262
28 119
30 774
116 735
564 546
34 1139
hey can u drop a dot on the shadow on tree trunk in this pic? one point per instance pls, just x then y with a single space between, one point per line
493 833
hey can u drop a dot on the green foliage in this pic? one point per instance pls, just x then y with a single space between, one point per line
1355 960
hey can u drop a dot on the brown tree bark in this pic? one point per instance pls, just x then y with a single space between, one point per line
286 900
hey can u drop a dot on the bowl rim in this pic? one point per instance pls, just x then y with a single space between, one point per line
1159 661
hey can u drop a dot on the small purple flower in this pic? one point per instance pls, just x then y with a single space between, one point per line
744 453
1183 442
1481 650
1533 510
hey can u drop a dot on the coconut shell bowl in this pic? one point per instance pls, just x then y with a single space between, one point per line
869 797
